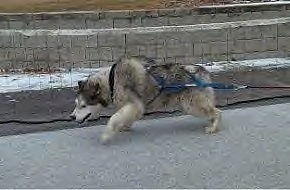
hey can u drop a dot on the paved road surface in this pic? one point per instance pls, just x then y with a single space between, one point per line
251 151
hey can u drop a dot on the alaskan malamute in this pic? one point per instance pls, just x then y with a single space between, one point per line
132 84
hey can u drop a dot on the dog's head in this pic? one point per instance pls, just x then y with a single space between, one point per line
91 98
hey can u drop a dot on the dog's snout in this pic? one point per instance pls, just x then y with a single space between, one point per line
73 117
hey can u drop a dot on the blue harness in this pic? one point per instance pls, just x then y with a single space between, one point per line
176 87
195 82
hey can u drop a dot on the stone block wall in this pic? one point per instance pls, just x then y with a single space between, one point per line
233 39
143 18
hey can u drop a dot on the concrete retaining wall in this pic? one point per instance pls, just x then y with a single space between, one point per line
144 18
235 40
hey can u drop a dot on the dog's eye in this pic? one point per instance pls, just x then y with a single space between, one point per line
83 106
93 97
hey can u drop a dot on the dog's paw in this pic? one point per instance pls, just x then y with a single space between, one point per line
210 129
125 129
106 136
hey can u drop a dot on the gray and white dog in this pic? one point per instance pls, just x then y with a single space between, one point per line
132 85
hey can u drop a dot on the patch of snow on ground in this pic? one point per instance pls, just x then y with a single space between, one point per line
23 82
267 63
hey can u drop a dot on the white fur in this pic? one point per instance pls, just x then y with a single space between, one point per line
122 118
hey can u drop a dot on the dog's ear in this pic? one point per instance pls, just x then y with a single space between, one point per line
81 84
96 89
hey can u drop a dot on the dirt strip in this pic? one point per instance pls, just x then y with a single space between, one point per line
58 103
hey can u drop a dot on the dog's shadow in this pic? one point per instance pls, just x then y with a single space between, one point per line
150 130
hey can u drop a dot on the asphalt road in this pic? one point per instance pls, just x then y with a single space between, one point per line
251 151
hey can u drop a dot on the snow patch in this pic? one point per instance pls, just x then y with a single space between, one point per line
267 63
24 82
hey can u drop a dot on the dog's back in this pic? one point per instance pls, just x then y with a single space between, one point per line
179 74
142 76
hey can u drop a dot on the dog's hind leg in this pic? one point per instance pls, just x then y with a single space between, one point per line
200 106
125 116
215 117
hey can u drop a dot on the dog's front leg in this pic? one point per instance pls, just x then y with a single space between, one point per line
125 116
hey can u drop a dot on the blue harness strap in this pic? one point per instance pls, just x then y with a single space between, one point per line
214 85
175 88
